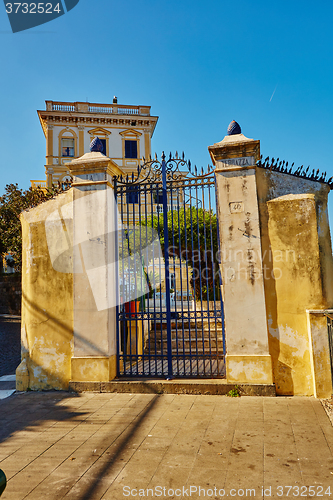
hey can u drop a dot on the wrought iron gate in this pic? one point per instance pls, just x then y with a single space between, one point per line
170 312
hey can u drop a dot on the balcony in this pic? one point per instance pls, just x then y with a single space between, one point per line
159 208
106 109
41 184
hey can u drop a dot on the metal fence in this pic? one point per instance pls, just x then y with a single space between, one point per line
170 317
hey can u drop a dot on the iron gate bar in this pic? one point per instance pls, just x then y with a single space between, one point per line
189 331
118 333
195 304
220 278
201 277
207 285
174 274
160 294
213 265
166 265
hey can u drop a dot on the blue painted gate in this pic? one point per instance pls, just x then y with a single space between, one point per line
170 311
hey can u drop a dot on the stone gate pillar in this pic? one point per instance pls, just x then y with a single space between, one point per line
248 359
94 266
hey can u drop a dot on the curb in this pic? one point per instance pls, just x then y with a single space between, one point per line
195 387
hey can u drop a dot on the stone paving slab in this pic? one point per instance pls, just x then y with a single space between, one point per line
58 445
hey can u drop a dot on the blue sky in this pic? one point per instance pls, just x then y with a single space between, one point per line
266 64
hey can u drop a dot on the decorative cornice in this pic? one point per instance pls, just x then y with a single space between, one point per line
93 163
129 132
234 146
89 120
99 130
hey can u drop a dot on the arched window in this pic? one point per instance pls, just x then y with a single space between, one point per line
67 143
68 147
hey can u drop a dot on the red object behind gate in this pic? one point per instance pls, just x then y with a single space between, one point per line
132 307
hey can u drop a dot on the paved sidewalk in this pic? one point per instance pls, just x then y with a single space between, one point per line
107 446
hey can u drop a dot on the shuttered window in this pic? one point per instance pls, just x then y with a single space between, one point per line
131 149
67 147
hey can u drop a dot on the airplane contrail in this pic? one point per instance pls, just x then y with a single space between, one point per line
273 93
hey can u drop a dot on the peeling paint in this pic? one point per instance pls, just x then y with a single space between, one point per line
47 305
293 222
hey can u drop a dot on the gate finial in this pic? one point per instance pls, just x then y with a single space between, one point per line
96 145
234 128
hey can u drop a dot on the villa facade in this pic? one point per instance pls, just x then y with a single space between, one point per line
69 128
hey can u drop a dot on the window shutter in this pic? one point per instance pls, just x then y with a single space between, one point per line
131 149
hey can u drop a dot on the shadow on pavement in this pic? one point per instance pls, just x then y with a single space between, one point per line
122 442
26 411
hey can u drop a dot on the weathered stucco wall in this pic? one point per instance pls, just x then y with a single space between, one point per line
69 282
47 305
95 217
247 357
319 347
274 236
298 271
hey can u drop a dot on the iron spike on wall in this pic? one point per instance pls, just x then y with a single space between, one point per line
282 166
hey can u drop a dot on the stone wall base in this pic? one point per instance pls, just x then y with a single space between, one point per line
176 386
94 369
249 369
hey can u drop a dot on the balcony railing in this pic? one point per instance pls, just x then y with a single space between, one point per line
63 107
159 208
41 184
101 109
85 107
128 111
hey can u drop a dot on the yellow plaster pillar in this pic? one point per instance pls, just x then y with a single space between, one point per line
147 145
49 176
49 145
320 352
94 216
247 359
299 342
81 141
47 297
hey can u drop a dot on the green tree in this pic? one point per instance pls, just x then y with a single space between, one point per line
12 203
193 236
